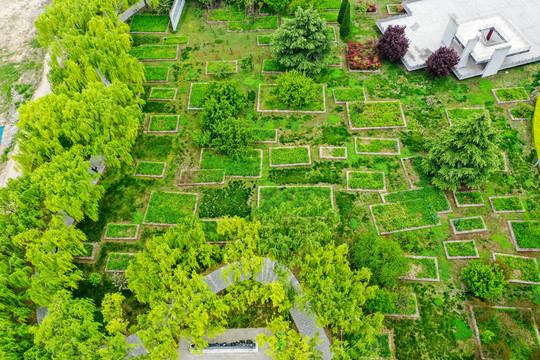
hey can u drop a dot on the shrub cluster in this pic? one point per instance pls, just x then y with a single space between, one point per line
393 44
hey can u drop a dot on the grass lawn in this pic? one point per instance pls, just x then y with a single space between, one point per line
231 200
156 73
119 262
221 67
206 176
264 39
121 231
149 23
261 23
269 100
147 168
290 156
249 165
405 215
163 123
295 198
342 95
231 13
272 65
360 180
167 208
375 115
264 135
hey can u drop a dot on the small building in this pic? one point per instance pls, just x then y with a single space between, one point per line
489 35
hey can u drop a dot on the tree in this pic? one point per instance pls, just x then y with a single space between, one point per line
302 43
383 257
116 326
345 28
296 89
441 62
276 5
342 9
465 153
484 280
393 44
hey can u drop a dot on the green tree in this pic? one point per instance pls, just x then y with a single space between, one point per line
296 89
382 256
345 28
465 153
486 281
342 9
276 5
116 326
302 43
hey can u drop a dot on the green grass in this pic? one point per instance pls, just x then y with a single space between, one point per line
404 215
392 303
272 65
156 73
462 248
331 4
433 195
176 40
149 168
202 176
511 203
249 165
155 52
169 208
337 152
519 268
527 234
231 200
88 250
330 16
162 94
221 67
349 94
375 114
380 346
290 155
261 23
512 94
270 101
199 92
384 146
297 198
468 224
334 60
121 231
149 23
264 39
423 268
265 135
232 13
163 123
459 114
366 180
469 197
119 262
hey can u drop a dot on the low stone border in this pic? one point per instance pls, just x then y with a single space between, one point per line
189 97
94 252
161 81
414 316
514 240
467 108
340 62
407 176
200 184
516 119
173 59
169 192
293 186
238 176
477 256
494 258
163 131
269 142
375 153
321 156
505 162
290 111
344 102
494 91
173 99
392 12
290 147
105 237
361 71
259 44
377 127
368 172
465 205
150 176
153 32
438 278
506 211
109 258
468 231
400 230
450 210
232 61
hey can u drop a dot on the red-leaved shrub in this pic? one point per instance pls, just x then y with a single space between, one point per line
393 44
441 62
363 56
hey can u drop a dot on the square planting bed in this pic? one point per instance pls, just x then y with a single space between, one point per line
460 249
197 95
163 94
271 66
404 216
90 251
163 124
297 197
333 152
433 195
202 177
503 162
249 166
334 61
403 305
462 113
510 95
344 95
423 268
265 136
523 111
382 346
119 262
519 269
269 103
525 234
366 181
375 115
514 332
155 52
122 232
376 146
156 74
176 40
263 23
231 200
168 208
150 24
152 169
506 204
471 198
221 67
290 156
395 9
468 225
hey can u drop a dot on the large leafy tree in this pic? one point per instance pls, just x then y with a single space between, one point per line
116 326
302 43
393 44
464 154
296 89
486 281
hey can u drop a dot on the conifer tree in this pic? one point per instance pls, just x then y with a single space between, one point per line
345 28
342 10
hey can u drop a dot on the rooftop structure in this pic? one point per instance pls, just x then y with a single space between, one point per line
489 35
